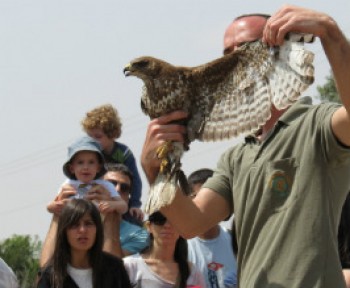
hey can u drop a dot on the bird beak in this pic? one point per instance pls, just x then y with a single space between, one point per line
126 70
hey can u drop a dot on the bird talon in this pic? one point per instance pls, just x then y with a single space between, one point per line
163 165
162 154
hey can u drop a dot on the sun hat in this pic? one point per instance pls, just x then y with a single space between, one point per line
85 143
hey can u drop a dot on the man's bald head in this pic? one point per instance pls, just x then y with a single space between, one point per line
245 28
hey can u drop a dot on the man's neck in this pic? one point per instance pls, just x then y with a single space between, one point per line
212 233
275 115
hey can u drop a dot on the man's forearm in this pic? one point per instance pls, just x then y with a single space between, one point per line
111 234
337 49
49 243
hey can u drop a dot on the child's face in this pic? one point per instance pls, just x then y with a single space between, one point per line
85 165
105 142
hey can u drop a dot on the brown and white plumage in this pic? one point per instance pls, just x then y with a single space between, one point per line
227 97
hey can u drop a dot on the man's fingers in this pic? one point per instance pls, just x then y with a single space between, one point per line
173 116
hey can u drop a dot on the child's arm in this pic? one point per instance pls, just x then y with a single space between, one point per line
55 206
115 204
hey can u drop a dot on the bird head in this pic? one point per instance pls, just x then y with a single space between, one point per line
143 68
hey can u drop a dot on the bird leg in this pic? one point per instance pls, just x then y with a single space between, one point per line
163 190
162 153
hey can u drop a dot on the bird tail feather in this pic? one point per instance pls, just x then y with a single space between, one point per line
162 193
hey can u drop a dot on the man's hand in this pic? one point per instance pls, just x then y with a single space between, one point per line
136 213
158 132
336 47
295 19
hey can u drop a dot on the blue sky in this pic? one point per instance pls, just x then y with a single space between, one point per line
59 59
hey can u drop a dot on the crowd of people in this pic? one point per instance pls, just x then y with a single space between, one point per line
286 186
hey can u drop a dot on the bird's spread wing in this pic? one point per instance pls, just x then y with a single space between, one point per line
240 102
227 97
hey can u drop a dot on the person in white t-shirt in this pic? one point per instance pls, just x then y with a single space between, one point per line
78 260
8 279
164 263
212 251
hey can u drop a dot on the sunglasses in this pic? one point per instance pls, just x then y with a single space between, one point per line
123 187
157 218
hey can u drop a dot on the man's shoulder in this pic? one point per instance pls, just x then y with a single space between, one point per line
129 228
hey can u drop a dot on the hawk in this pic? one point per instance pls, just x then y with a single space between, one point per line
227 97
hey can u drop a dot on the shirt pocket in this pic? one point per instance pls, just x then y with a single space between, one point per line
281 188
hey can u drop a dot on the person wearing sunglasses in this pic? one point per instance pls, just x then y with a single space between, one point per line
126 189
164 263
133 238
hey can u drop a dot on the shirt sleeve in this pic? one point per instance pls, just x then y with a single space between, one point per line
335 152
136 242
221 181
69 182
131 267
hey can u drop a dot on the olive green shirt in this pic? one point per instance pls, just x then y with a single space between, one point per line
287 193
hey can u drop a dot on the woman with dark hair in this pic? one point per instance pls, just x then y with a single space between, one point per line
164 263
78 260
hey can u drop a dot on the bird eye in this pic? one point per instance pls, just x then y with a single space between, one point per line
141 64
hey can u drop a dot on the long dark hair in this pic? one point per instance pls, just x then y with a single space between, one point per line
180 256
180 253
73 211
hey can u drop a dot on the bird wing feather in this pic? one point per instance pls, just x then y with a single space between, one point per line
240 102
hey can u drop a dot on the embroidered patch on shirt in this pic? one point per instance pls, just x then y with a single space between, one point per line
280 184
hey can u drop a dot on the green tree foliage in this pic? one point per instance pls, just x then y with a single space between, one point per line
21 253
328 91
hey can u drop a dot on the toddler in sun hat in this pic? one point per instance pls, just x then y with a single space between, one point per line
84 168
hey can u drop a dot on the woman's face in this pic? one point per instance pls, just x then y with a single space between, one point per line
81 236
163 234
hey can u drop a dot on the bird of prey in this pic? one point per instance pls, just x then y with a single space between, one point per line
227 97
